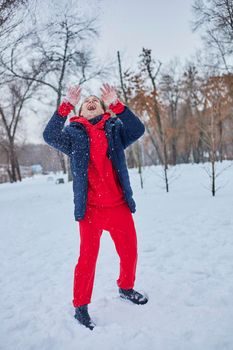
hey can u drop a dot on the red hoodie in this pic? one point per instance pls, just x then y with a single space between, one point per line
104 189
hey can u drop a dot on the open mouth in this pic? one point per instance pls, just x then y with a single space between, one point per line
91 107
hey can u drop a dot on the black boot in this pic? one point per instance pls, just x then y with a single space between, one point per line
82 315
133 295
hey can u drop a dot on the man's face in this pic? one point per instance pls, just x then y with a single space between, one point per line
91 107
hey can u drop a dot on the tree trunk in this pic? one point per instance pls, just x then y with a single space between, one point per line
62 161
213 176
220 128
18 168
12 165
70 176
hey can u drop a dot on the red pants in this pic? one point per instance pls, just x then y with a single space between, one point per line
119 222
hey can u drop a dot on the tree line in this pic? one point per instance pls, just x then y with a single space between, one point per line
186 108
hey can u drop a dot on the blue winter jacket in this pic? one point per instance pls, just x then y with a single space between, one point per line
73 140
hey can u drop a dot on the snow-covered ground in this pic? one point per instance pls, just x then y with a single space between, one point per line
185 265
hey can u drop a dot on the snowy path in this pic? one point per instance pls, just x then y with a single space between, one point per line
185 265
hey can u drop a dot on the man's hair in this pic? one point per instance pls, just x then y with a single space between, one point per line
101 102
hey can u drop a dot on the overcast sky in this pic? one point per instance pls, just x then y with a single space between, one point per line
129 25
163 26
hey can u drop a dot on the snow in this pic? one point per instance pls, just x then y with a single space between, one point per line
185 265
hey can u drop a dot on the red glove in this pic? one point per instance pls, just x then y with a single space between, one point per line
65 108
117 107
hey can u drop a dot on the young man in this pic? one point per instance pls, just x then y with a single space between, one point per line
103 198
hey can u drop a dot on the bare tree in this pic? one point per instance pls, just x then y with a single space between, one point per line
136 147
13 13
215 17
147 65
56 54
8 9
193 104
11 114
218 104
170 91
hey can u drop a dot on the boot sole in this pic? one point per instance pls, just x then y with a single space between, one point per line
91 327
137 302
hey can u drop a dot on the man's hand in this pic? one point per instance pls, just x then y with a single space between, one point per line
109 95
73 95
